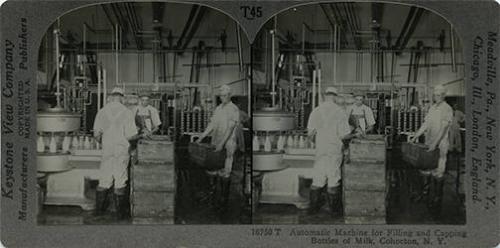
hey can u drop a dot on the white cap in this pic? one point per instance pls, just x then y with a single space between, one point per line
440 89
331 90
225 90
117 90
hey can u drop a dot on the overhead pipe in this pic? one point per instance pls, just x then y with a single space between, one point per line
192 15
195 26
403 32
412 27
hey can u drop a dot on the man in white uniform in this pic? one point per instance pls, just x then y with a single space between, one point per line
223 130
436 129
147 117
114 126
362 114
329 125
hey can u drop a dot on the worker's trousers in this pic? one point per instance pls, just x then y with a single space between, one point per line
114 171
443 154
228 164
327 166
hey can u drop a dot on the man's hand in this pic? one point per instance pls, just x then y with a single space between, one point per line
413 139
199 139
218 148
432 148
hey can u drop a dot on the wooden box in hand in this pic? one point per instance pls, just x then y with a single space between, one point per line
204 155
417 155
157 149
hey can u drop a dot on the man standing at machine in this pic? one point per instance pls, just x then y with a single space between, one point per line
329 124
223 130
147 117
362 114
114 125
436 127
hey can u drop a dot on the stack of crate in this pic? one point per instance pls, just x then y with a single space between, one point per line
364 181
153 182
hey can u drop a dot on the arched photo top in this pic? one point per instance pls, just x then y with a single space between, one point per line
175 23
400 24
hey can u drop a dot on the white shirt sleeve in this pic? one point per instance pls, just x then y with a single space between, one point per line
130 128
312 123
99 122
155 117
370 119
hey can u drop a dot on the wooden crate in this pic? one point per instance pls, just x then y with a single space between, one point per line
153 177
417 155
364 203
204 155
364 176
371 149
156 150
358 220
152 220
153 204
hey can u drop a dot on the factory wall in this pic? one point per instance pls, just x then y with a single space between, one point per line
226 72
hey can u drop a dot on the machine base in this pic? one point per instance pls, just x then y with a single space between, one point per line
85 203
299 201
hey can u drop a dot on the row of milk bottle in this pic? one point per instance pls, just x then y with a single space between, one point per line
288 141
68 142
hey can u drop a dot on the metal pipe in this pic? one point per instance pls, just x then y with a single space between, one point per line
240 53
303 37
58 90
99 85
116 54
314 89
453 59
273 62
335 52
249 91
104 88
318 74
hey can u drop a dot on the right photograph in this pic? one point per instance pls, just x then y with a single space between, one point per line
358 117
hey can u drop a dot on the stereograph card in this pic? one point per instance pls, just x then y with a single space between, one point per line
270 123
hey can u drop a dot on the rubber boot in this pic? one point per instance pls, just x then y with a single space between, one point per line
314 200
422 188
121 204
335 201
101 201
437 196
225 185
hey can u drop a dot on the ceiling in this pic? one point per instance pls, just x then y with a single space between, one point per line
181 26
173 25
358 21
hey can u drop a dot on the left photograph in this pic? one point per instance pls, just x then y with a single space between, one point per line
143 117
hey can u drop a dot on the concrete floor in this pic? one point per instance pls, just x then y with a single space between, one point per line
400 210
192 205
